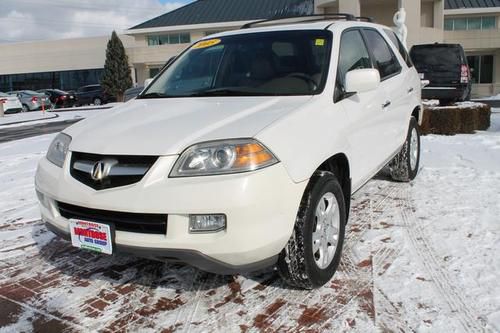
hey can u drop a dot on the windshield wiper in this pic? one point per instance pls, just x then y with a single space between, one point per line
226 92
153 95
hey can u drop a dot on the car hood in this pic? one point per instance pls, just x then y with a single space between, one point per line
168 126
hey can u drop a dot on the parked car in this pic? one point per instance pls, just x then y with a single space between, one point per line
11 104
32 100
93 94
445 67
132 93
244 153
59 98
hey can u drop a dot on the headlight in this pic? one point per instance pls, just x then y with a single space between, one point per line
223 157
58 149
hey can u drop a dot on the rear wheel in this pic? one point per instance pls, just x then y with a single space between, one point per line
25 108
313 252
97 101
404 166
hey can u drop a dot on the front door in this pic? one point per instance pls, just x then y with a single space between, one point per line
364 111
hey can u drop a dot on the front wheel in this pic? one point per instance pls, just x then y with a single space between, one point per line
97 101
404 166
25 108
313 252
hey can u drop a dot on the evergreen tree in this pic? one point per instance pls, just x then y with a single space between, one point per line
117 77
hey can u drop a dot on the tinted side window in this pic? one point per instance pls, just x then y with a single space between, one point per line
386 62
353 54
402 50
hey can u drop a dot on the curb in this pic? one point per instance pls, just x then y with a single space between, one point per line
29 121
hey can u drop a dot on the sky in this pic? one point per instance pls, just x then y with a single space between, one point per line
29 20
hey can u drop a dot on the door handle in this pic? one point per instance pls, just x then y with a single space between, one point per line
386 105
410 90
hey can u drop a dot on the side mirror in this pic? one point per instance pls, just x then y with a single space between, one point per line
362 80
147 82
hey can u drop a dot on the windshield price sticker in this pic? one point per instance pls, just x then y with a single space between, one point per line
91 236
206 43
320 42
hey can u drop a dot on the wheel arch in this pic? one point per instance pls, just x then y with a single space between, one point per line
418 114
338 164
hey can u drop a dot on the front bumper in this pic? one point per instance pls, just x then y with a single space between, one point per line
260 208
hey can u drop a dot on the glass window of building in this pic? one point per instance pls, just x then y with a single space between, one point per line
153 40
181 38
174 39
163 40
64 80
154 71
488 22
448 24
185 38
481 67
474 23
460 24
470 23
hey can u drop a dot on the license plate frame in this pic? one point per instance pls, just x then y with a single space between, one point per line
92 236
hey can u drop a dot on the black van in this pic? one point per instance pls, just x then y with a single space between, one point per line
445 66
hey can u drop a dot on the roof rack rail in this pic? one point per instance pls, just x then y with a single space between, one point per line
304 19
365 19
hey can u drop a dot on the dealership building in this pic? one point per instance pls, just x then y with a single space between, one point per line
71 63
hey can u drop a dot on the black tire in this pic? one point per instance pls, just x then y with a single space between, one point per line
468 93
296 263
25 108
401 167
97 101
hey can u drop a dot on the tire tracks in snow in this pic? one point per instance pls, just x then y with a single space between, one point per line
465 315
365 214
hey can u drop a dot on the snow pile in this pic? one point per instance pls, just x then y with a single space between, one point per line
434 103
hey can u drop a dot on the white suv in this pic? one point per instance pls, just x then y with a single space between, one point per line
243 153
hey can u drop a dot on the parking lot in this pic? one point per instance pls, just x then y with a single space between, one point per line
418 257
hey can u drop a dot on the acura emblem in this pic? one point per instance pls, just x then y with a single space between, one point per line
101 169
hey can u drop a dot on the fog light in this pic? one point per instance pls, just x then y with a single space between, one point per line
207 223
44 201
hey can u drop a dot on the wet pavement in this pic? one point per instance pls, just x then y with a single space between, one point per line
26 131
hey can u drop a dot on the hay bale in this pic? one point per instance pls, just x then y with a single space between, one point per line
466 117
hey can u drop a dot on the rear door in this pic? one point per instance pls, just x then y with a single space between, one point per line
394 111
363 110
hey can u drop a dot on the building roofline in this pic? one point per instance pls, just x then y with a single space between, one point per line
170 12
464 11
189 27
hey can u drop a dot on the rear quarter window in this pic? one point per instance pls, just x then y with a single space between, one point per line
383 57
401 48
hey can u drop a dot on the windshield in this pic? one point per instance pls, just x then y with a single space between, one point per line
258 64
436 56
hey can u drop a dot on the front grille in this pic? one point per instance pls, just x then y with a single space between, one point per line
121 170
131 222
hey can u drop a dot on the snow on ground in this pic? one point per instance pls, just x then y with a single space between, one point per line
489 98
418 257
38 117
26 117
